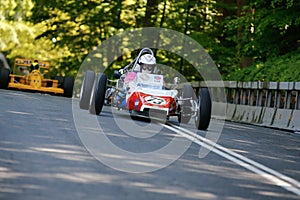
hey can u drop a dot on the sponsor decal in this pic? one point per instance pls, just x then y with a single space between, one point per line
136 103
157 79
144 77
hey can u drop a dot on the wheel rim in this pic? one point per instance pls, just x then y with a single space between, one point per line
81 89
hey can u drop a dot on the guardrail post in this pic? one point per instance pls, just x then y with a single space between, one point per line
288 95
277 99
283 114
270 102
241 99
244 95
229 92
232 88
253 95
295 116
268 98
232 98
271 87
259 94
236 96
287 102
297 101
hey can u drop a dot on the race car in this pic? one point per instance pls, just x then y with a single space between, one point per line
146 95
23 78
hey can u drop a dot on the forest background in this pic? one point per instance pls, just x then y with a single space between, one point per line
249 40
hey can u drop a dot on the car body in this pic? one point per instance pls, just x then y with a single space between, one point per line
145 93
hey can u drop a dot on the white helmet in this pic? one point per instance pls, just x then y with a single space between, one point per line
147 63
147 59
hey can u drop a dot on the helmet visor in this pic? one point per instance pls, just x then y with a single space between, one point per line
148 67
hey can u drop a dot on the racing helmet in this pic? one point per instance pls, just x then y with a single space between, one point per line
147 63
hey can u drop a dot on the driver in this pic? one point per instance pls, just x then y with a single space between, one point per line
34 66
146 64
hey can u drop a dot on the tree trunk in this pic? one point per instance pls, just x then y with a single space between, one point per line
186 27
244 61
151 9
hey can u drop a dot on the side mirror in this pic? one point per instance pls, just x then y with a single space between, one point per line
117 74
176 80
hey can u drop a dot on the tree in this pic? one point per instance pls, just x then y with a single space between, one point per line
13 26
18 35
269 30
268 34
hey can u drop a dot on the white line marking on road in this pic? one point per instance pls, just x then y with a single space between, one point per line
238 126
19 113
279 179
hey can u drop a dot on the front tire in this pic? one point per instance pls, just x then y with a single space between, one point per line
60 80
98 97
203 116
68 85
86 89
4 77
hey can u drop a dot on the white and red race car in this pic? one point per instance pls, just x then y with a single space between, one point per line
147 96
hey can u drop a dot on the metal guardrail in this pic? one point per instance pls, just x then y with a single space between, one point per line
271 104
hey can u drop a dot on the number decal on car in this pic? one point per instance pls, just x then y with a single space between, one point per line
155 100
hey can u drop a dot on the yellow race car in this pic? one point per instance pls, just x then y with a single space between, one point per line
26 78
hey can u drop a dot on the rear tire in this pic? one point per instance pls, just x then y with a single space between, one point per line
202 119
133 116
98 97
86 89
68 85
186 111
60 80
4 77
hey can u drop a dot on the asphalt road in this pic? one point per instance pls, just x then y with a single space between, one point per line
44 155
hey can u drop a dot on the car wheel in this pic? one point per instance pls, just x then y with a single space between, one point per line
4 77
186 107
204 111
86 89
98 97
68 85
133 115
60 80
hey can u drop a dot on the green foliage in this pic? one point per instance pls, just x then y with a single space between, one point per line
281 69
18 35
80 26
13 29
265 32
267 28
66 31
